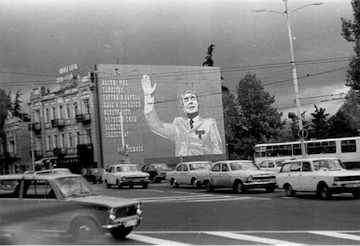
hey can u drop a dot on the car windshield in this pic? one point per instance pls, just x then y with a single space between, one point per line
73 186
160 166
328 164
279 163
199 166
128 168
243 166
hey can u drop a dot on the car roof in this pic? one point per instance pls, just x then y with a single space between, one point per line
312 159
31 176
232 161
123 164
192 162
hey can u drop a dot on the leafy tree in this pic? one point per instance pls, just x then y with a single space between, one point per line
5 107
351 109
351 33
339 126
319 123
294 126
258 121
231 120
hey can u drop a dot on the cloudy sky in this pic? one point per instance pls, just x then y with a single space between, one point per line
37 37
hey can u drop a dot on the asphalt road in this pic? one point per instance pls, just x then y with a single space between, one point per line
195 217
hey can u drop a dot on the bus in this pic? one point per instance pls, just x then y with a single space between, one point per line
346 149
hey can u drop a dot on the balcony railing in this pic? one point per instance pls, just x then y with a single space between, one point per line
60 151
58 123
36 126
84 118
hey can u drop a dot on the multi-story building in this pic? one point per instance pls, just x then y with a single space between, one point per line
62 125
14 151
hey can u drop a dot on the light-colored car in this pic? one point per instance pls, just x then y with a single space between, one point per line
240 175
125 175
63 204
187 173
325 176
273 164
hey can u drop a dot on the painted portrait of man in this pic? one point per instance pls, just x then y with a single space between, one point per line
192 134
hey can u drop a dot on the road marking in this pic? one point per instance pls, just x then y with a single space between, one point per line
195 198
152 240
250 238
336 234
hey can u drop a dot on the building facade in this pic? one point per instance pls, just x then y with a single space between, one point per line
15 147
62 125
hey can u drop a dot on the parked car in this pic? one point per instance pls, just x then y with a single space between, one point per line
325 176
157 171
187 173
240 175
125 175
273 164
94 175
62 203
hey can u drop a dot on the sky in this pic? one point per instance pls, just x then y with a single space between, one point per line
38 37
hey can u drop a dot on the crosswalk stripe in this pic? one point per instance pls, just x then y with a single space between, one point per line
336 234
152 240
205 198
250 238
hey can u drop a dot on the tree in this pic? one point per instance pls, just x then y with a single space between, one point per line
231 120
5 107
258 121
351 33
339 126
319 123
351 109
209 62
16 108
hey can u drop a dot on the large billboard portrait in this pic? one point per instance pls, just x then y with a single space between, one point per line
160 113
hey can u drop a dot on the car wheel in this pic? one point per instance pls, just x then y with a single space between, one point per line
356 194
209 187
194 183
119 185
108 186
270 189
145 186
289 191
239 187
174 183
84 230
324 192
121 233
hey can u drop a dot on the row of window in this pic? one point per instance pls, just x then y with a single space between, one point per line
323 147
64 111
67 140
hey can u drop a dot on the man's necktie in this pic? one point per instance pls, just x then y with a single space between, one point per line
191 124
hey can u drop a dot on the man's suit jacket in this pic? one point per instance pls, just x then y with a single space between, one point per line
202 139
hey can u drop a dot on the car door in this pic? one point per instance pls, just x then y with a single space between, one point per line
185 175
215 174
306 180
224 176
111 175
178 173
294 175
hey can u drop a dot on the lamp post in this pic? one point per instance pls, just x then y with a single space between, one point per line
294 73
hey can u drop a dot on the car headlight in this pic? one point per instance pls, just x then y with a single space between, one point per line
112 214
250 179
336 179
139 209
123 178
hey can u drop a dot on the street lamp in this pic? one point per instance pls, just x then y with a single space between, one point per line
294 73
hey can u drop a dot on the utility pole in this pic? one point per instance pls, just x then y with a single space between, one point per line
288 15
